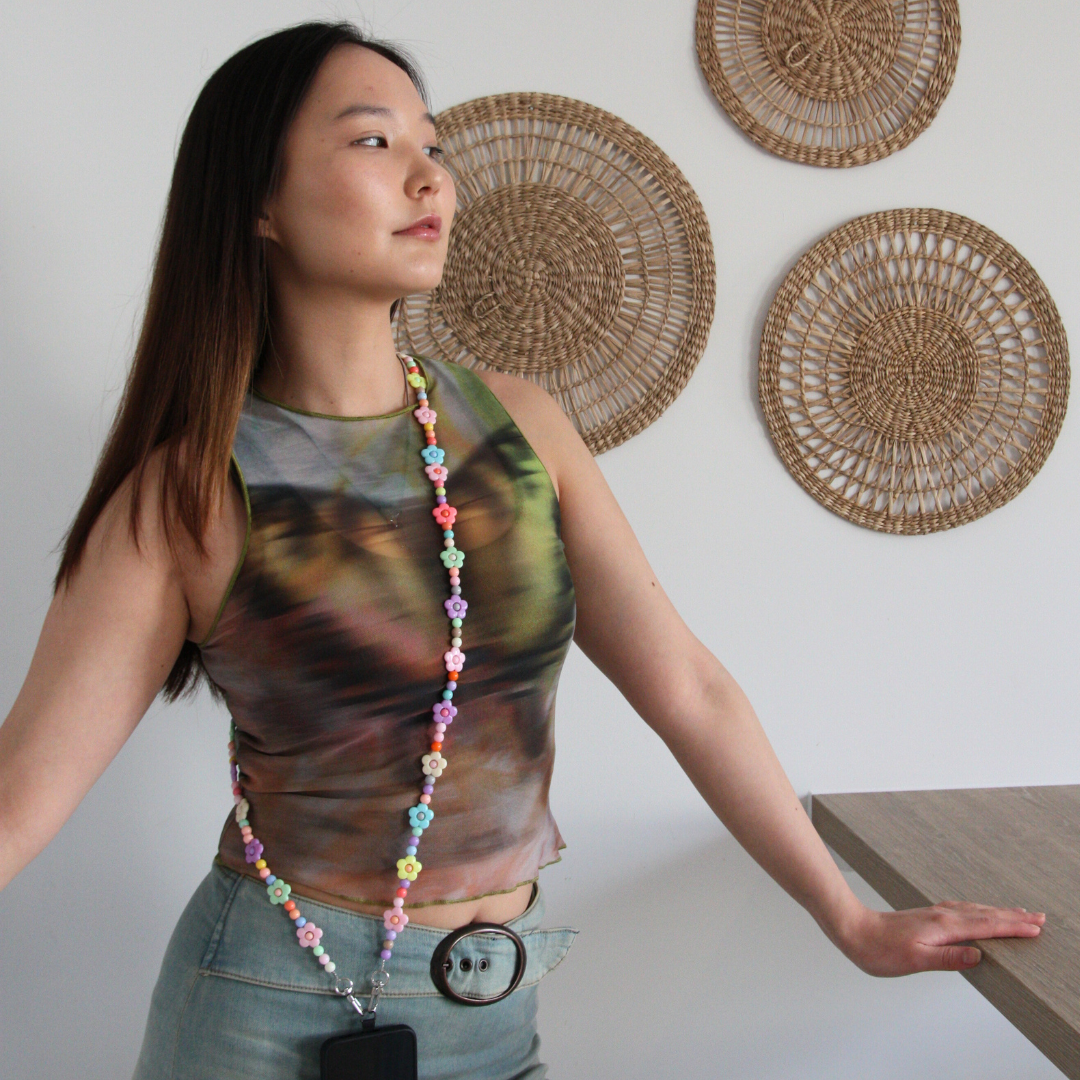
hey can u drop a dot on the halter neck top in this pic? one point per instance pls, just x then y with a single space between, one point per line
329 646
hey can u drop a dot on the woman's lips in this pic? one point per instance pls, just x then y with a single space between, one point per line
427 228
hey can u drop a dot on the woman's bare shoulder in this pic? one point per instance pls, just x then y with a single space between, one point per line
543 423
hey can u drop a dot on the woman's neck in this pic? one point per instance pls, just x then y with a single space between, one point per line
333 355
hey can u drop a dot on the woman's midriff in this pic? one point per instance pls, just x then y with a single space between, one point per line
496 908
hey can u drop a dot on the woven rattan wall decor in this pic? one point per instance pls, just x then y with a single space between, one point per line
829 82
914 371
579 257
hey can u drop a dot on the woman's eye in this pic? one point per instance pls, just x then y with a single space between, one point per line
437 152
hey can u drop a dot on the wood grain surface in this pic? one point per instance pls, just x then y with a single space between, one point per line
1012 847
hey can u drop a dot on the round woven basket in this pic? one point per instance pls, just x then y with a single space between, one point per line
914 371
579 257
829 82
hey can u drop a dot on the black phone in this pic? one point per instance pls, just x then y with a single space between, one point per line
379 1053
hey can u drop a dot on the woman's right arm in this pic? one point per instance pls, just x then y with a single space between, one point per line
109 641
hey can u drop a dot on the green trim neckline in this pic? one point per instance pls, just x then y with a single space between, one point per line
331 416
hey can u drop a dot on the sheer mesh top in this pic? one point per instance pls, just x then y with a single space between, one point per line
329 646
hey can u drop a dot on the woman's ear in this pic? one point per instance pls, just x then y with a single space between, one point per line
263 227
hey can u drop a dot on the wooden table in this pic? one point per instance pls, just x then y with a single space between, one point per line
1012 847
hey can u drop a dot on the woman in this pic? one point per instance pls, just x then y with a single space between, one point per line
272 509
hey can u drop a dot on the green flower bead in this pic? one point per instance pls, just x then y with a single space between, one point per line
278 892
452 557
418 381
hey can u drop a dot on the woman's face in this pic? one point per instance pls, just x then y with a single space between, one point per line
361 164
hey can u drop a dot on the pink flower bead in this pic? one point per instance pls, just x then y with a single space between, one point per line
436 474
308 935
445 515
455 659
395 919
425 415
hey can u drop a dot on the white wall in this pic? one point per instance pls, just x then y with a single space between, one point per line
875 662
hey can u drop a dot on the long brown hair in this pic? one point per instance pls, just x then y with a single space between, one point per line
205 328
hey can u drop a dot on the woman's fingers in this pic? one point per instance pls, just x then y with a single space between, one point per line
946 946
937 938
979 921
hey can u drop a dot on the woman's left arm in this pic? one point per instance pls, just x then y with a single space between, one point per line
629 628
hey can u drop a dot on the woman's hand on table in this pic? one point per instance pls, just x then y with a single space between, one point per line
932 938
629 628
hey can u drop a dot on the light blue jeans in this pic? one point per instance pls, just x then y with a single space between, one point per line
237 996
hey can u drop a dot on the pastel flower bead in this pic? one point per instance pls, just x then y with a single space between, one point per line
242 808
408 868
420 817
395 919
434 764
278 891
433 455
253 851
417 380
436 473
452 556
425 414
308 936
445 515
454 659
443 712
456 607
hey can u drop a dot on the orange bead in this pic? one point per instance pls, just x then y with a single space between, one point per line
289 905
403 893
294 914
452 676
436 747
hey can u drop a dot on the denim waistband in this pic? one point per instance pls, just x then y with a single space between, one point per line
256 941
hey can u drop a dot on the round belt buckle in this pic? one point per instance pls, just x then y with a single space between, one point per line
440 962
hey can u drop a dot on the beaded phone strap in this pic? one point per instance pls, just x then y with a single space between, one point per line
433 764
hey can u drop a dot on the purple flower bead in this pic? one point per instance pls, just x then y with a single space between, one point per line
253 852
443 712
456 607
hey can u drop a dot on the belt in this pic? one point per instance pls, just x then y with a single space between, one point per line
442 964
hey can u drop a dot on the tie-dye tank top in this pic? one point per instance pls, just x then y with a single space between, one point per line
329 642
